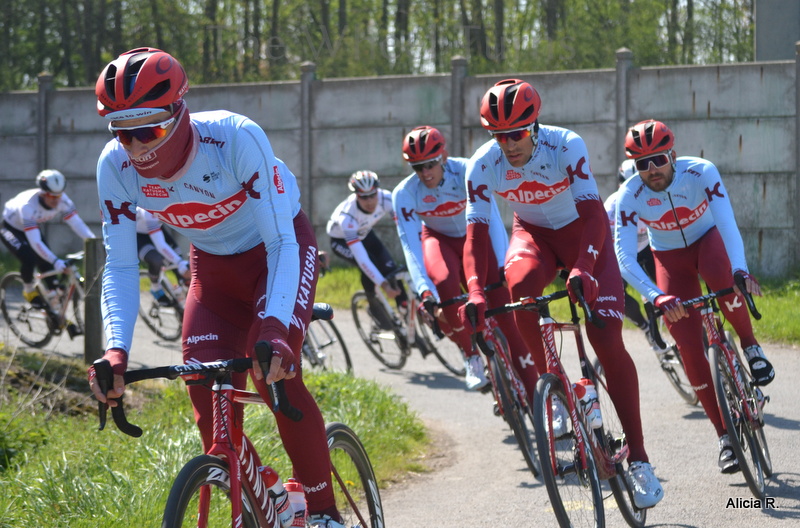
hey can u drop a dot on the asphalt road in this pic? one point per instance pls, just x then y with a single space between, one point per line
478 478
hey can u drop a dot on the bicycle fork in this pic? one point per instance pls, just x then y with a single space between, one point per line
230 443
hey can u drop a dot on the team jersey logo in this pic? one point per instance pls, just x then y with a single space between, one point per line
429 199
155 191
196 215
276 177
446 209
653 202
684 215
533 192
512 175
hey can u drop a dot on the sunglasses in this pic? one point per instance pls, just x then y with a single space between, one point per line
514 135
143 133
658 160
367 196
419 167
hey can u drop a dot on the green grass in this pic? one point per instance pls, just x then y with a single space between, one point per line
66 473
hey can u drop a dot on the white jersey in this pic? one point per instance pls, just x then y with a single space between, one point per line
676 217
641 229
542 193
26 212
233 195
351 223
443 210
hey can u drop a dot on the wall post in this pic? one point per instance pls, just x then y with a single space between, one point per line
308 73
45 85
458 65
796 182
624 63
94 260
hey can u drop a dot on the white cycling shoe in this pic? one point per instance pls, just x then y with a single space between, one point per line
646 489
475 376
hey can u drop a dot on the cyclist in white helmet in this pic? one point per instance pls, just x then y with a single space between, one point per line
353 239
22 216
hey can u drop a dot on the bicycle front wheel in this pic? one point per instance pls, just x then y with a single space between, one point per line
200 497
354 483
445 350
612 437
30 324
165 321
324 348
573 487
740 431
387 345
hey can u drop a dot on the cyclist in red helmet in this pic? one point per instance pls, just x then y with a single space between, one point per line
692 231
544 175
429 211
214 178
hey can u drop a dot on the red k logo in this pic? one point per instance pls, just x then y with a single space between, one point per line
123 210
711 193
248 186
478 192
577 171
628 219
407 214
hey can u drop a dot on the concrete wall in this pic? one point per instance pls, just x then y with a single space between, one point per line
741 116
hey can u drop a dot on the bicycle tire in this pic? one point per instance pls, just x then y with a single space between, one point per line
672 366
78 309
445 350
31 325
165 321
324 349
512 400
739 431
612 437
386 345
574 491
360 506
182 508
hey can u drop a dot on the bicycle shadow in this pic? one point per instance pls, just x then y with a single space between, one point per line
779 422
431 380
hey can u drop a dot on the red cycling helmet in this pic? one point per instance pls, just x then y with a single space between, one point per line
422 144
144 79
648 137
510 104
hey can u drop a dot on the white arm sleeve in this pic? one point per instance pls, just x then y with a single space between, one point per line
38 245
162 247
79 227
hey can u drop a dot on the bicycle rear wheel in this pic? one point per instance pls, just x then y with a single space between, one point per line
31 325
447 352
354 483
206 474
165 321
740 431
574 488
324 348
388 346
612 437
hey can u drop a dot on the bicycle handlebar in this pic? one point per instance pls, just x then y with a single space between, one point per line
537 303
654 312
105 379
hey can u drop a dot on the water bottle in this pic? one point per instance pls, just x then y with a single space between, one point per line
278 494
297 498
587 394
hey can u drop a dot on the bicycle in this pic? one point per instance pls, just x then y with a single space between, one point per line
392 332
166 319
36 326
739 399
574 463
511 398
230 466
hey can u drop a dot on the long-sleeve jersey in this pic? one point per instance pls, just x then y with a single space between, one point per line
352 224
443 210
26 212
232 195
542 193
641 229
676 217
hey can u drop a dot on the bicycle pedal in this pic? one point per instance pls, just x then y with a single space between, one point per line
496 409
73 331
487 389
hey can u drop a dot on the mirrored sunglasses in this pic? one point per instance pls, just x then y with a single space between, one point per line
514 135
658 160
142 133
419 167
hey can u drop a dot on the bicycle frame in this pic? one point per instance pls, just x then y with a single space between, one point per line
409 319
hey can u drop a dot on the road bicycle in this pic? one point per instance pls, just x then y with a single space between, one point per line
739 399
575 460
390 332
63 310
224 485
166 318
511 399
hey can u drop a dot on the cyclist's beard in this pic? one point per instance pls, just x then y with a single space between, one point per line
172 154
